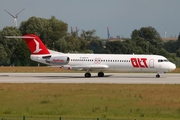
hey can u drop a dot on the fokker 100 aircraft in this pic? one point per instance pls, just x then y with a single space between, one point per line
101 62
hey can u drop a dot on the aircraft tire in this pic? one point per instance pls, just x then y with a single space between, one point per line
100 74
87 74
157 76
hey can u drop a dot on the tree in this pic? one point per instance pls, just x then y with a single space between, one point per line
3 56
179 37
148 39
96 46
135 34
114 47
178 53
148 34
49 30
33 25
89 35
21 55
15 50
171 46
56 30
10 45
76 44
60 45
142 44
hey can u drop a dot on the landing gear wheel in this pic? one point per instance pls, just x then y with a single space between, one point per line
157 76
100 74
87 74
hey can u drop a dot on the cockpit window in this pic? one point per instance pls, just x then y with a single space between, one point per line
165 60
161 60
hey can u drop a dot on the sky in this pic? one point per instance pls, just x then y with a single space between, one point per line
121 16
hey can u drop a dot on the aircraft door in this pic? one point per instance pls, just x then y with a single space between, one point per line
151 63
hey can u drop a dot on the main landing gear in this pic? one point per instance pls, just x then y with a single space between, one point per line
157 76
100 74
88 74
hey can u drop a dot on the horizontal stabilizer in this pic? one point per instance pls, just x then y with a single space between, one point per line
19 37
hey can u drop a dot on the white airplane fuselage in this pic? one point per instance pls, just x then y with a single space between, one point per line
120 62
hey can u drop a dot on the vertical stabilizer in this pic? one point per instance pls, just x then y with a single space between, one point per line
35 44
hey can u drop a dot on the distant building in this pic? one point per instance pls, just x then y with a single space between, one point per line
168 39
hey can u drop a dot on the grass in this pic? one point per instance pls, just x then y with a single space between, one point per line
33 69
143 101
91 100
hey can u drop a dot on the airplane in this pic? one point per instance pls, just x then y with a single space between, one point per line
102 62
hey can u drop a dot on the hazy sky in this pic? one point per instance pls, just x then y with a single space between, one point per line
121 16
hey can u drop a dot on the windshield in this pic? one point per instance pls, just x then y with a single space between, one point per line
163 60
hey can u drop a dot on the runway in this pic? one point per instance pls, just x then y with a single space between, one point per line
109 78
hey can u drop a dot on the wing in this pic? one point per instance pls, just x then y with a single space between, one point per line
87 67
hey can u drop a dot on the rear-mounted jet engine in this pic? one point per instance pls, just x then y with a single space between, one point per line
57 60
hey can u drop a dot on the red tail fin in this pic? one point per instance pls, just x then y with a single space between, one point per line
35 44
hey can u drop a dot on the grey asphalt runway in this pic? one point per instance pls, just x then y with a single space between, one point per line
109 78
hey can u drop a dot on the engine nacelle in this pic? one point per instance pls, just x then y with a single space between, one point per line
58 60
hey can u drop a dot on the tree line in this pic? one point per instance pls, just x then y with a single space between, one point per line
54 33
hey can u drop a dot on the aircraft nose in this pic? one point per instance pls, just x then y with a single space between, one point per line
172 66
